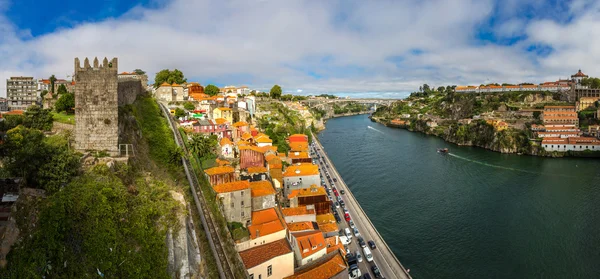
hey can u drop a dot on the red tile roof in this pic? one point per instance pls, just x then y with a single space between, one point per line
264 222
301 210
260 254
219 170
301 170
330 266
261 188
300 226
309 242
232 186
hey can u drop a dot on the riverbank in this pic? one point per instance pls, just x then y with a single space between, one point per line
483 135
385 259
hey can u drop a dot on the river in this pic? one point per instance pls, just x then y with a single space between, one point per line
472 213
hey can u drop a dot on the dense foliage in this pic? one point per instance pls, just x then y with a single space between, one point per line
38 118
95 226
189 106
203 146
211 90
44 162
156 131
350 107
170 77
275 92
62 89
66 103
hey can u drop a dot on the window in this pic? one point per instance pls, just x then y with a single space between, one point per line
232 204
259 276
252 276
242 203
242 213
242 193
269 270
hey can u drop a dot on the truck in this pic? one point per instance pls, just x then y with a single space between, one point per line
353 270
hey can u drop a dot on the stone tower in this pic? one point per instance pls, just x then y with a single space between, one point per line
96 106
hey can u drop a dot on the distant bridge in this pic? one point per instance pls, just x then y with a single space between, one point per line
370 101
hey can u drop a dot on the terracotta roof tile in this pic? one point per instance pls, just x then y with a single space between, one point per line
222 162
301 170
264 222
219 170
232 186
260 254
225 141
240 124
220 121
309 242
257 170
298 155
262 188
298 137
300 226
313 190
299 146
301 210
330 266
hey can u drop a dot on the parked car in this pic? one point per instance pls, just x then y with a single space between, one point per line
346 210
343 204
356 232
351 223
376 271
366 276
368 254
359 256
361 242
372 244
347 217
337 205
335 180
337 218
347 232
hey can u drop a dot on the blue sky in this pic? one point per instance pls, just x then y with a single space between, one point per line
375 48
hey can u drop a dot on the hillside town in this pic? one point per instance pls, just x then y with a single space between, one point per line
549 119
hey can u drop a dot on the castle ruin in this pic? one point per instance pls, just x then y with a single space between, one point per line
96 106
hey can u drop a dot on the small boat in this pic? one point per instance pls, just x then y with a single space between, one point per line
442 150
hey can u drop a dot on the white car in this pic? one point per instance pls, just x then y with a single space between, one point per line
351 224
358 256
356 232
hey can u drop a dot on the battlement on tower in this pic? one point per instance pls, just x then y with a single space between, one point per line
109 66
96 105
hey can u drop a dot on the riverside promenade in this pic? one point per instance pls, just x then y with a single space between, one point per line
385 259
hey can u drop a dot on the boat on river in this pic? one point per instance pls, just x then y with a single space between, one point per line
442 150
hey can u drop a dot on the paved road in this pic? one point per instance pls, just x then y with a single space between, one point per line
383 257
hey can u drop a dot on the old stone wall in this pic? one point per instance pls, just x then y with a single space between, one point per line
96 106
128 90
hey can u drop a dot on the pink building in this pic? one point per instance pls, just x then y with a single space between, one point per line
251 156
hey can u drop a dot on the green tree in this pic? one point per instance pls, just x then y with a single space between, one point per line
95 225
62 89
441 89
38 118
426 88
66 102
43 93
211 90
139 72
275 92
52 79
203 146
189 106
170 77
179 113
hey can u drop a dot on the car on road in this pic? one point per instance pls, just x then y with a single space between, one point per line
356 232
342 192
368 254
335 180
347 217
346 210
361 242
376 271
372 244
343 204
337 218
348 233
366 276
351 223
337 205
358 256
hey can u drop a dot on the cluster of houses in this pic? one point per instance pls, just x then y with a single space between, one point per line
552 86
279 199
560 131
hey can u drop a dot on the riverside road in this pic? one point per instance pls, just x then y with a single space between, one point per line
383 257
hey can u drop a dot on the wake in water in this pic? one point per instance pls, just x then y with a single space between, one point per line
502 167
375 130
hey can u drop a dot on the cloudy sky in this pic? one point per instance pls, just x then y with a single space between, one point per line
381 47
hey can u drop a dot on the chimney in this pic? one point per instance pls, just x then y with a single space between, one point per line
257 233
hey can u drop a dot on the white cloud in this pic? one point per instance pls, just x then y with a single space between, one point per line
260 43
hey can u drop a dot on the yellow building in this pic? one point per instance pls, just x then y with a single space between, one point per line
586 102
225 113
